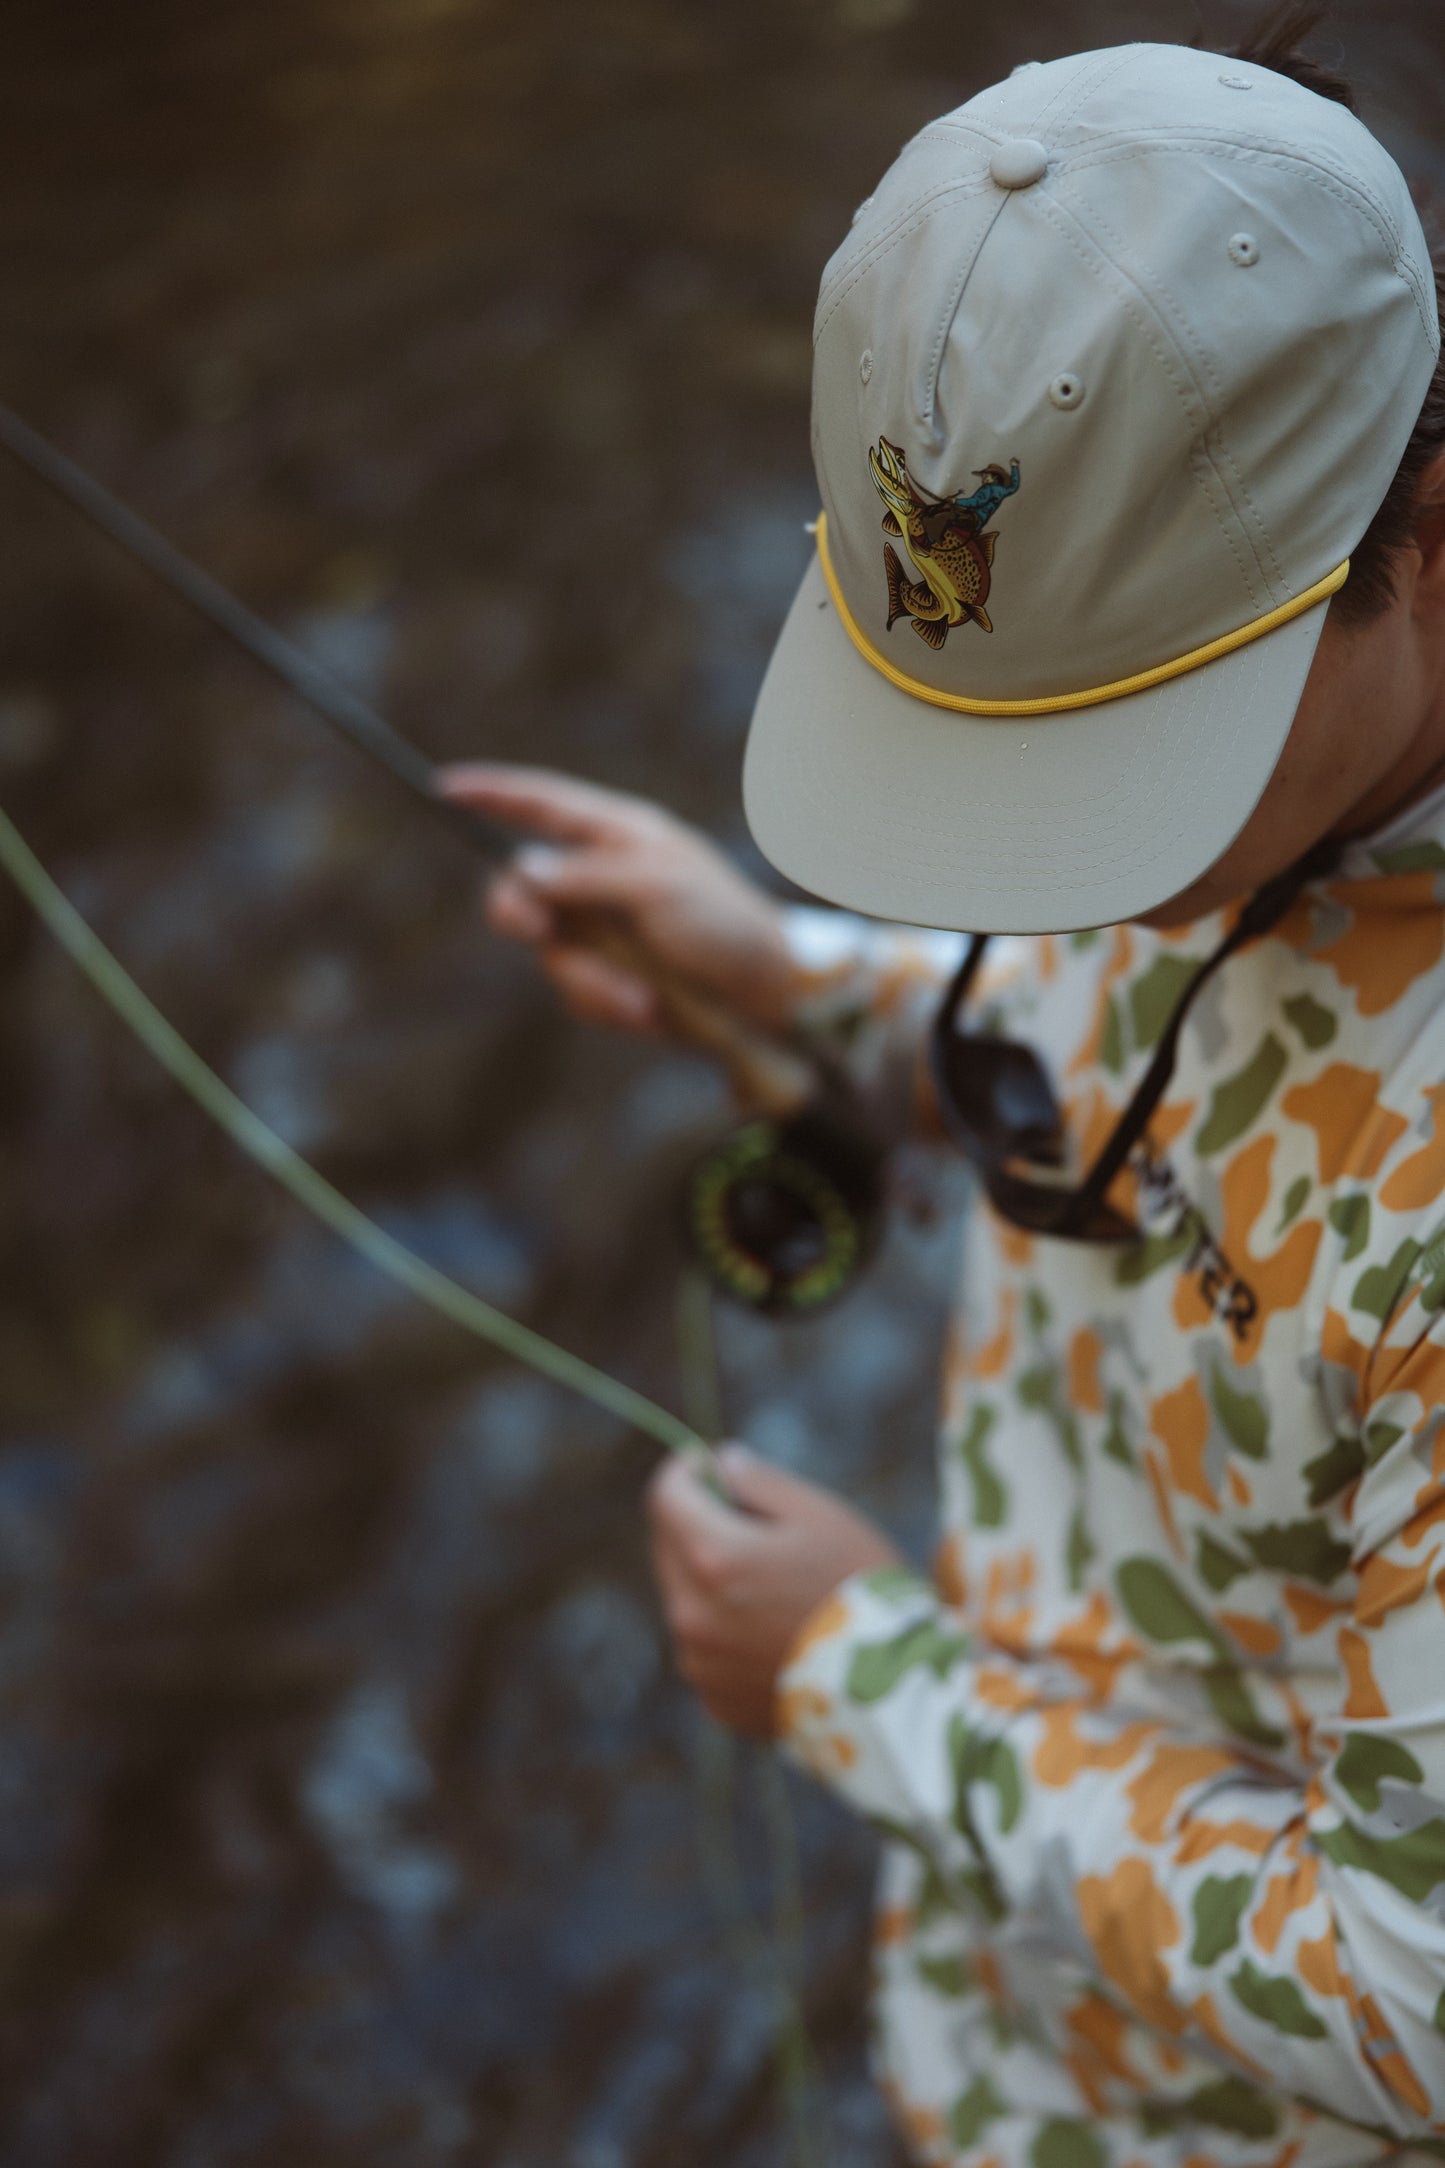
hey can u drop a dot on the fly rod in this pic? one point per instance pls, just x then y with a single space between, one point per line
784 1212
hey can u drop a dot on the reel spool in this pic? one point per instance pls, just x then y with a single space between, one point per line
783 1214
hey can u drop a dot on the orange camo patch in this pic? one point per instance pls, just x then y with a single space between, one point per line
1200 1839
1338 1345
1429 1506
990 1978
820 1625
1353 1132
1379 2043
1278 1280
1319 1964
925 2129
1301 1721
1181 1420
992 1357
1239 1489
1364 1699
1379 965
1101 2031
1008 1613
1130 1922
1285 1895
1256 1635
1003 1689
1162 1500
1401 2079
1086 1353
893 1924
1170 1120
1161 1784
1384 1587
1017 1247
798 1708
1080 1643
1309 1609
1419 1179
949 1576
1063 1753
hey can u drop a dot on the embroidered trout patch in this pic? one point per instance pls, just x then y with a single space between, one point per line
952 555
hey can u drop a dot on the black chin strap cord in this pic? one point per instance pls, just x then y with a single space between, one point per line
347 713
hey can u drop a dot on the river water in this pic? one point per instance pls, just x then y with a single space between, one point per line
348 1807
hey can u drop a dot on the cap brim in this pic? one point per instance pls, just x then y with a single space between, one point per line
887 804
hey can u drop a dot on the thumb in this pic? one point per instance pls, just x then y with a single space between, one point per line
760 1487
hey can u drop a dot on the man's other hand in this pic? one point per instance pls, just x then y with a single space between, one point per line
738 1581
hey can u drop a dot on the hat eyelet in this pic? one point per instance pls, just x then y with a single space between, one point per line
1243 249
865 364
1067 391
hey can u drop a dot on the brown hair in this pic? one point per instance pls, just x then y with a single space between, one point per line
1278 43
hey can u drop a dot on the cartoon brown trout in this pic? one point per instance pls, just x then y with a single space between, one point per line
945 538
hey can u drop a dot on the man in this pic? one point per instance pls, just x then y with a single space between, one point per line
1161 1748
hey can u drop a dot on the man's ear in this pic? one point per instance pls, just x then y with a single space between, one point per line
1429 526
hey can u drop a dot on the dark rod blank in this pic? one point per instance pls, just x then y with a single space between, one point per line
346 712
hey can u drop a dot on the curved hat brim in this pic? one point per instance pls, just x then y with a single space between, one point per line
882 802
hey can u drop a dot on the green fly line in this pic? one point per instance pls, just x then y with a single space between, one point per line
312 1190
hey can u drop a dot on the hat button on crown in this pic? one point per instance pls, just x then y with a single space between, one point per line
1019 163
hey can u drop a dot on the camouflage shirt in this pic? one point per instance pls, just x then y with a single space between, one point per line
1160 1748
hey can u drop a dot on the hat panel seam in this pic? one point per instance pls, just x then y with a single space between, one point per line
1192 136
1346 191
1107 63
847 258
1075 88
850 259
1172 361
1231 478
948 314
916 215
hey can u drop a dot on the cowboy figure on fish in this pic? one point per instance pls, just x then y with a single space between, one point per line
944 536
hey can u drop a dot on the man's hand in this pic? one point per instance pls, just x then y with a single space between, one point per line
738 1584
632 866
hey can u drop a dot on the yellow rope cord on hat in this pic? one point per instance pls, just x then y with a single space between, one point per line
1056 703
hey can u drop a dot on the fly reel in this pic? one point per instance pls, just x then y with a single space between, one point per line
784 1213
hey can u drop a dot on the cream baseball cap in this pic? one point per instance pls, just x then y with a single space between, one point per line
1111 375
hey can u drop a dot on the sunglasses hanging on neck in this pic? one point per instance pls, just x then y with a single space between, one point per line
999 1107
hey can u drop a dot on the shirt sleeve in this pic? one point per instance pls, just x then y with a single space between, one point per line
867 989
1279 1902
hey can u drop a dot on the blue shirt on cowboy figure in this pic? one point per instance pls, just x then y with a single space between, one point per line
986 500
